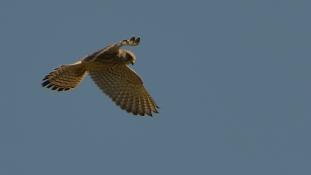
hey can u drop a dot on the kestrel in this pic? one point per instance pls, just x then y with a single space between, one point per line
109 69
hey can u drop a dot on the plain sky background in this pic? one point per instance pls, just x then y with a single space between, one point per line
232 78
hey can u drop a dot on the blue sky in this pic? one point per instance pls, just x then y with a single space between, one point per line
232 79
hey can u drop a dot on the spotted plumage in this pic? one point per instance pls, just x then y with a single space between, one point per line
108 67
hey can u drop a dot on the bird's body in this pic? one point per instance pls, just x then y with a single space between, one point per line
109 69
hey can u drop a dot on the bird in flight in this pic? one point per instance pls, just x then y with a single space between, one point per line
109 69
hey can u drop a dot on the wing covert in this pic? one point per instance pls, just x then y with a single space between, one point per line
124 87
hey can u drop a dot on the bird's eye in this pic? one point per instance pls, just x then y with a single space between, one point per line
128 56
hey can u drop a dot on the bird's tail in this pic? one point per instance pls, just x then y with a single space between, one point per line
65 77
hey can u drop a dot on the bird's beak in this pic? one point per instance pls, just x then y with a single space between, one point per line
132 62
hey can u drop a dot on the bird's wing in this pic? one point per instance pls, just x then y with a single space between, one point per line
124 87
65 77
111 50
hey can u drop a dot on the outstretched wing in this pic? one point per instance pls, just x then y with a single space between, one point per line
65 77
111 50
124 87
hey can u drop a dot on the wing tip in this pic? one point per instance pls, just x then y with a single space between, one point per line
47 84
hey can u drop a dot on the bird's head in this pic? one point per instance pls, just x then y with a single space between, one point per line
128 57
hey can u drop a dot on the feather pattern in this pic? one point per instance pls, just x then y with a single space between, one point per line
124 87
